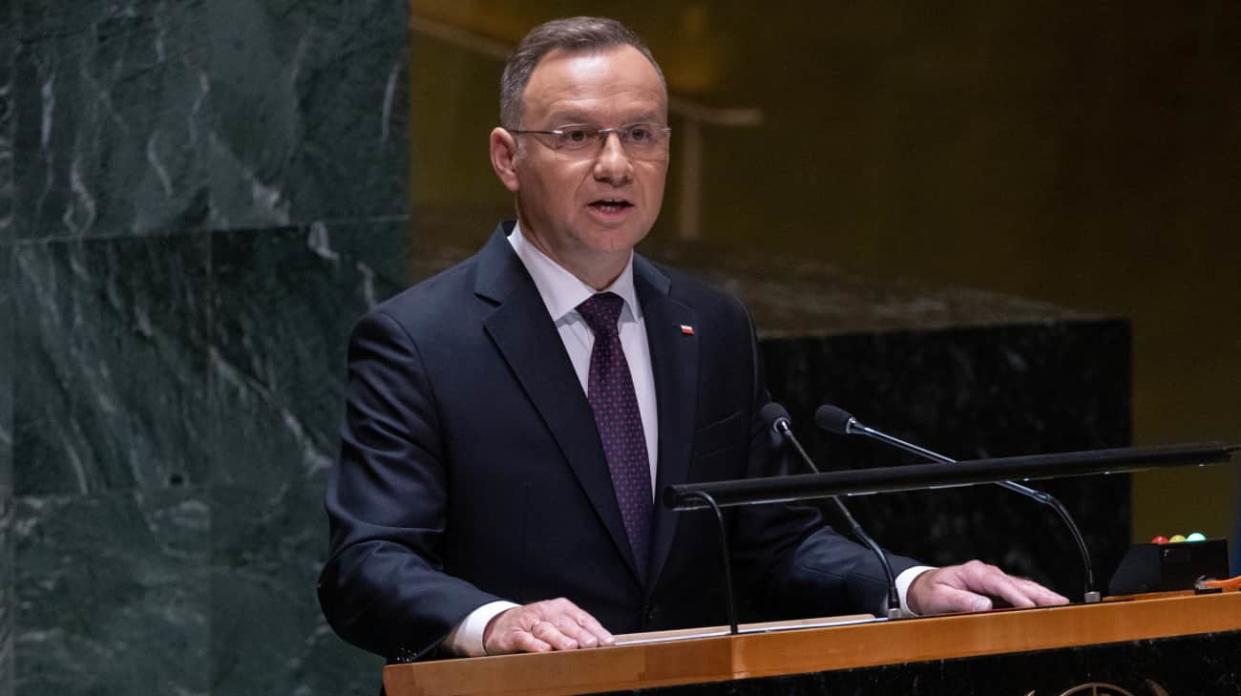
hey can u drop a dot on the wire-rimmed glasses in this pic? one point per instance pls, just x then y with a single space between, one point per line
640 140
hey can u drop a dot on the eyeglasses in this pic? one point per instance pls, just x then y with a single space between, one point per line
640 140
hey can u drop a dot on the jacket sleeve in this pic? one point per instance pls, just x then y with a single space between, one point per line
383 587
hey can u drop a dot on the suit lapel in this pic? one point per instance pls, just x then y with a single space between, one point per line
674 361
527 339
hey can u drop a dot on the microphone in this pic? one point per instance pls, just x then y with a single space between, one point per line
777 419
840 422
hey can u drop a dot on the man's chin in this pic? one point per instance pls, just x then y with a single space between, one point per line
614 241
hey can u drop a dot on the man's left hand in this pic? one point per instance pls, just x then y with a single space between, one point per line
971 587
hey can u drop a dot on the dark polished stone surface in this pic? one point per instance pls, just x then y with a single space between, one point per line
794 296
168 372
7 356
284 302
8 44
309 110
113 386
112 593
6 470
154 117
1202 665
267 633
972 393
111 117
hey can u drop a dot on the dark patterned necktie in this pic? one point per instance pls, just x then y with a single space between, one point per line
615 405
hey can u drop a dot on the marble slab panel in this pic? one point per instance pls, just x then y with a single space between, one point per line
6 418
111 117
112 593
283 304
7 370
7 600
112 390
268 635
8 44
309 105
6 470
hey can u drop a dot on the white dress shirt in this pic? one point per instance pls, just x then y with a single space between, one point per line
562 292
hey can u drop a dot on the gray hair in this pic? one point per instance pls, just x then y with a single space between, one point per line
573 35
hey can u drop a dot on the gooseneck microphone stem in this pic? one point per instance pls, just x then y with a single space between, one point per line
830 421
782 427
730 606
855 428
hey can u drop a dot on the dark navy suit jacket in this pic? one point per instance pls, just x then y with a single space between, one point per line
471 470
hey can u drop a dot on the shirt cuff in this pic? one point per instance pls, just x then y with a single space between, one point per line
903 581
466 640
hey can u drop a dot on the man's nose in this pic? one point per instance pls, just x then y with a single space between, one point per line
613 165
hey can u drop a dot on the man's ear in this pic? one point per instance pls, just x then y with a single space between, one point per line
504 157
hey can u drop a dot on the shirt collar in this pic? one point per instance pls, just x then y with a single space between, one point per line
562 291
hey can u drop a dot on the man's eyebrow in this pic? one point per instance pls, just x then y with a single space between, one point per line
578 117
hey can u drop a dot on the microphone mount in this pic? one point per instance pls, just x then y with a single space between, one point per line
779 419
836 420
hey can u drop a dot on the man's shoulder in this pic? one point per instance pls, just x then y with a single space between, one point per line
441 297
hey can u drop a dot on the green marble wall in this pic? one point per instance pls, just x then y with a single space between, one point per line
197 199
7 44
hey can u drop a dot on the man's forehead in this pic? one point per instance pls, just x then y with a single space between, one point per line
618 76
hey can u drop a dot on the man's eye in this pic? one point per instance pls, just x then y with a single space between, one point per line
576 136
639 134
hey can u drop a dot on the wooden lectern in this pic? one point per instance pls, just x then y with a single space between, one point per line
1177 643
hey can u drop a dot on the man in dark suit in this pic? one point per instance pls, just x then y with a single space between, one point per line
509 421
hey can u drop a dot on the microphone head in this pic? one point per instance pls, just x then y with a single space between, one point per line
772 414
833 419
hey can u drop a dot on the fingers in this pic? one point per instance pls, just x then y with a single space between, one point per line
989 580
950 600
968 587
1018 592
576 624
556 624
522 641
1042 596
588 623
569 627
505 634
944 591
550 633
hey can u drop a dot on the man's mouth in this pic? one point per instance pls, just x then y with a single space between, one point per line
611 205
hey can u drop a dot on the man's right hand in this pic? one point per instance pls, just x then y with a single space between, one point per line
554 624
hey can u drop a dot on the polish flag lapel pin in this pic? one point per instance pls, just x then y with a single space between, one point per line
687 330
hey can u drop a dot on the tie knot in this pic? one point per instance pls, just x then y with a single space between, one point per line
601 312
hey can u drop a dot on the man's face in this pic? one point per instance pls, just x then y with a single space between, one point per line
567 199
